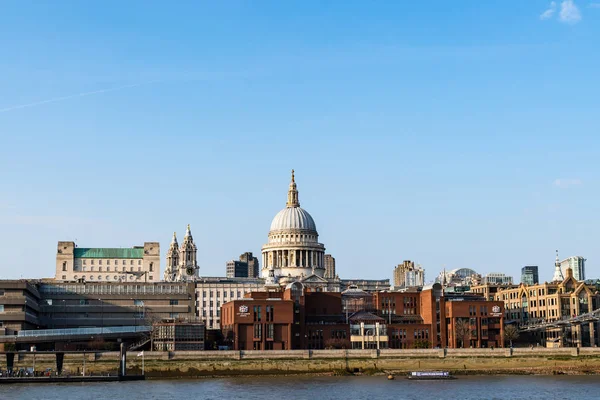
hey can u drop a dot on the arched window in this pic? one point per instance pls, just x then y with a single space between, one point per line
64 266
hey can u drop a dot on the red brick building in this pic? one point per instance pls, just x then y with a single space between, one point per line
291 319
414 318
258 324
299 319
471 321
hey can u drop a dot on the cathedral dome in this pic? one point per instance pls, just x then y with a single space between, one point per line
293 218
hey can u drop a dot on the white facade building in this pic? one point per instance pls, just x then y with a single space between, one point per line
577 264
496 278
212 293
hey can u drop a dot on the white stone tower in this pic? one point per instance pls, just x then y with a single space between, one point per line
188 267
172 260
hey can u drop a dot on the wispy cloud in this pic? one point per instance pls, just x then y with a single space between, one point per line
73 96
568 13
566 183
549 12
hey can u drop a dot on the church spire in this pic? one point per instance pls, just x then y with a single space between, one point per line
188 232
558 275
174 240
292 200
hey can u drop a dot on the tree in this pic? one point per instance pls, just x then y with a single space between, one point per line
510 333
337 343
462 331
421 344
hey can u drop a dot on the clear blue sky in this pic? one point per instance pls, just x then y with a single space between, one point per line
457 134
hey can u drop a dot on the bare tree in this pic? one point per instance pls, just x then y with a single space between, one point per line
510 333
462 331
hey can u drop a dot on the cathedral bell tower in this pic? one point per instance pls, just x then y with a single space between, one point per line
188 267
172 260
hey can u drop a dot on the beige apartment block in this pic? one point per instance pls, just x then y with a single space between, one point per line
136 264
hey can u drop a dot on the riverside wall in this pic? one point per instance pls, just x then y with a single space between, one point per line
228 363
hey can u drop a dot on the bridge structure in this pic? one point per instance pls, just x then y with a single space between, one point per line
128 333
565 322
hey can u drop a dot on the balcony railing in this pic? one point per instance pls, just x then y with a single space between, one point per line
84 331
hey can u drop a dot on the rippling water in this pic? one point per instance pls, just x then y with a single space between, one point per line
320 388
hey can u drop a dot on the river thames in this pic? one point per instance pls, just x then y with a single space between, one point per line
319 388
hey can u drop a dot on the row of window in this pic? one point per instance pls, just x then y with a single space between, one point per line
269 331
124 262
218 294
108 278
482 309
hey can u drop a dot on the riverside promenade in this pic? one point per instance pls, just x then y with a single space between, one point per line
230 363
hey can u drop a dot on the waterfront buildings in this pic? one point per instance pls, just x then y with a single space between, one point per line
291 318
136 264
407 275
246 267
182 265
19 306
178 336
550 302
529 275
213 292
472 321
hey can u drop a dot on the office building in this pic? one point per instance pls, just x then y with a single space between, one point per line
529 275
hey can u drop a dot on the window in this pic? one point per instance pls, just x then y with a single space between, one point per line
84 262
151 267
224 294
99 262
204 293
138 303
1 307
130 262
65 266
151 278
84 302
64 277
139 262
107 262
270 331
218 294
257 331
173 302
123 264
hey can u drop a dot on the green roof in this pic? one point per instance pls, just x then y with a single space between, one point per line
109 253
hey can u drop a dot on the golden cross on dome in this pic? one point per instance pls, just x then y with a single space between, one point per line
293 176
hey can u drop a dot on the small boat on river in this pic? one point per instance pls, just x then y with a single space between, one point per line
430 375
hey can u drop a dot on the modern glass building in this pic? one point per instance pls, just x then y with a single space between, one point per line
529 275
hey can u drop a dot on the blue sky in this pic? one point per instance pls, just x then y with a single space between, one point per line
456 134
